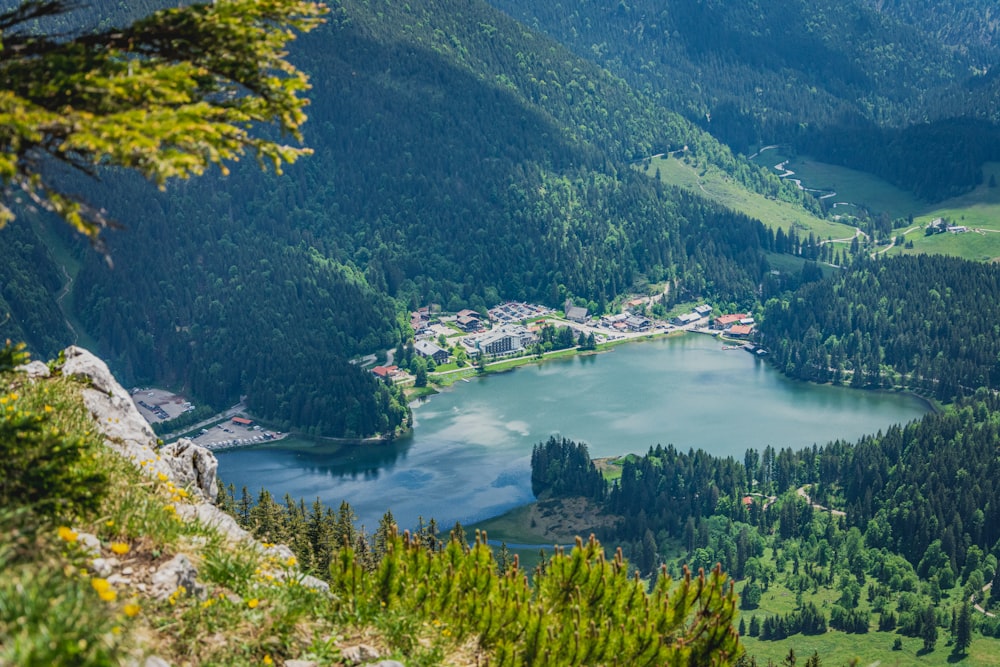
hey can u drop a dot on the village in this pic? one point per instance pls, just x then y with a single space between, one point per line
452 346
451 342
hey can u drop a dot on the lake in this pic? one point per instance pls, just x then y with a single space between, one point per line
469 454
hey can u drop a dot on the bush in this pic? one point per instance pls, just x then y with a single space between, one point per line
43 468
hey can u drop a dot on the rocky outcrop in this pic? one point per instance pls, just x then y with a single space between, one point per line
193 467
184 463
124 429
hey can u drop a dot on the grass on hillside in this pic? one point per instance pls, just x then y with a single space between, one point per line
851 185
56 609
714 184
977 210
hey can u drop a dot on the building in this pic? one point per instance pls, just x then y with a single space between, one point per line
468 320
427 349
576 314
704 310
726 321
740 330
387 373
242 421
686 318
638 323
505 340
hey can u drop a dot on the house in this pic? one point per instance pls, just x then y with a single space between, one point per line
638 323
686 318
468 320
387 373
576 314
704 310
725 321
427 349
468 323
242 421
740 330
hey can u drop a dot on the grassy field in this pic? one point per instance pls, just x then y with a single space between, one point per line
722 189
871 649
856 187
978 210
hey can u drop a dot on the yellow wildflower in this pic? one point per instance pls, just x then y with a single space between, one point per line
267 660
67 534
119 548
161 477
253 602
291 561
132 609
109 523
103 589
47 408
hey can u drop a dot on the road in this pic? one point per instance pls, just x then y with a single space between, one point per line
231 412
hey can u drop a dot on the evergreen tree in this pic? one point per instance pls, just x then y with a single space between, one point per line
963 629
928 628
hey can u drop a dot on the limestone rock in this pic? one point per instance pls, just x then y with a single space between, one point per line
173 574
212 517
89 543
192 466
103 567
34 369
387 663
116 416
301 663
360 654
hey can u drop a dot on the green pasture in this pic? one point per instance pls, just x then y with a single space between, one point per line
979 210
837 649
851 185
722 189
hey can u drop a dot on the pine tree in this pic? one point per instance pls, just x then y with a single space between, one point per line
928 628
963 629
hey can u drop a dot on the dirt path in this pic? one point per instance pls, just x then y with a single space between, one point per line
801 491
979 607
67 286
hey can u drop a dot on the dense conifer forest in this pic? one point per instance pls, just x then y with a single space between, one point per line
916 322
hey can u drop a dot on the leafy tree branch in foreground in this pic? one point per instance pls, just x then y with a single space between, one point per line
169 96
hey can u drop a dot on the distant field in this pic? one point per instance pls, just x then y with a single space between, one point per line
977 210
722 189
874 648
855 187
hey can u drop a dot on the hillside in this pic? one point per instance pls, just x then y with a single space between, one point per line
839 80
460 160
113 553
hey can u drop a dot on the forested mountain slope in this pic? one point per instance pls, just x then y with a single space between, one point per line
965 24
922 322
459 159
807 73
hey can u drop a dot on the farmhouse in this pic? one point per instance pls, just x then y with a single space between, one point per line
704 310
740 330
638 323
387 373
